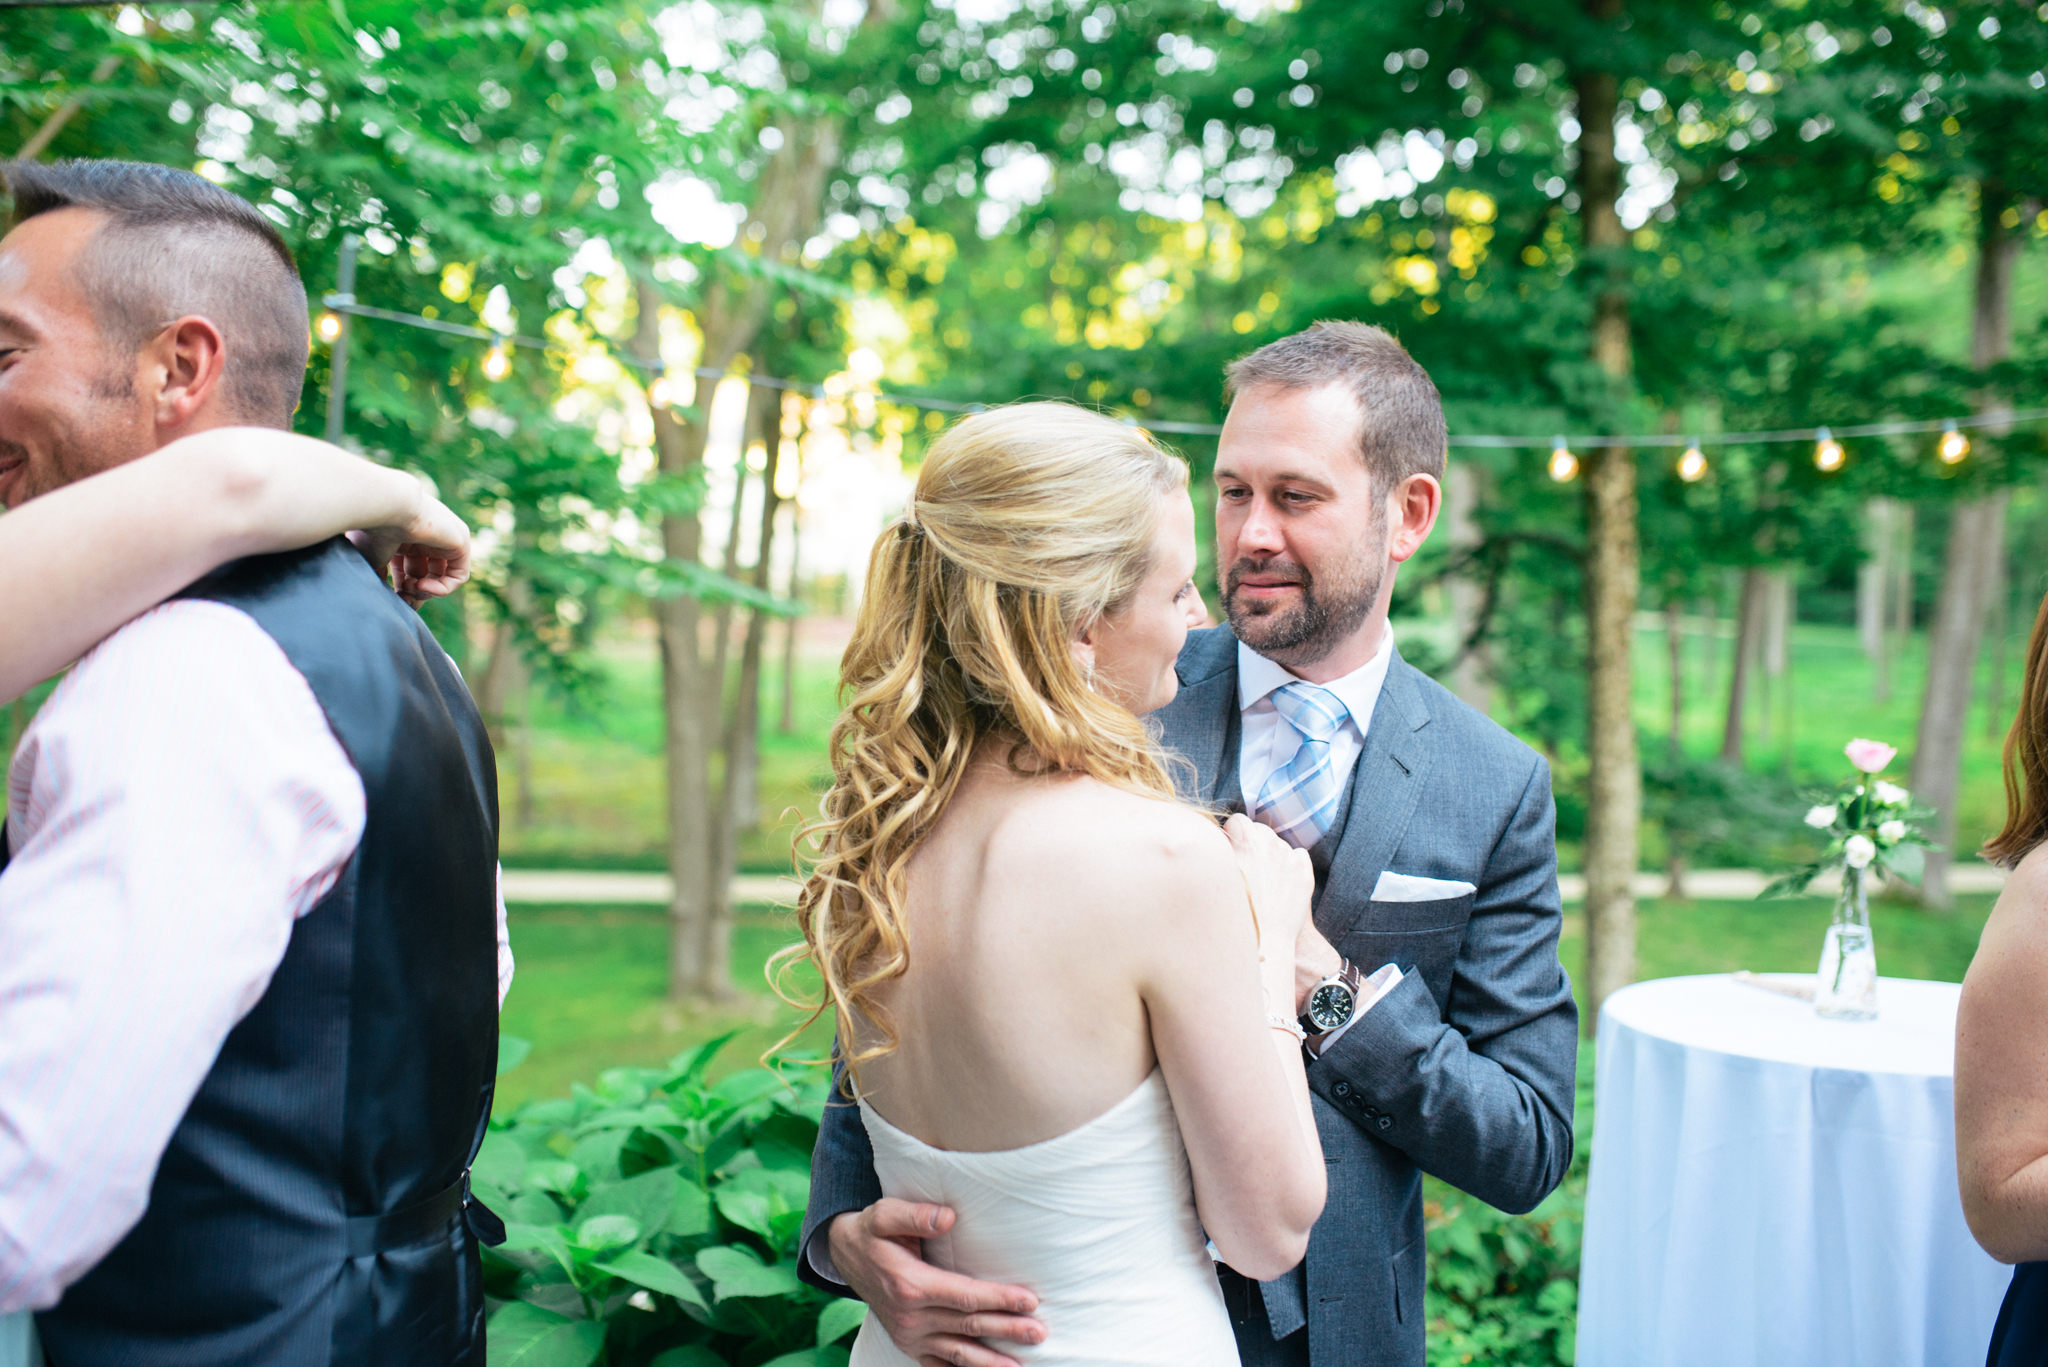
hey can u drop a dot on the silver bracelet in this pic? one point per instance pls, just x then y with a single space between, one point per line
1289 1024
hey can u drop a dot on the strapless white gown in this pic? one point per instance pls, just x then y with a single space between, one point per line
1099 1222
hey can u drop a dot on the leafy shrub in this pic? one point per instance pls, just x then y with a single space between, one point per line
1504 1289
652 1221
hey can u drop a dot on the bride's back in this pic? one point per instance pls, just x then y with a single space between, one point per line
1030 911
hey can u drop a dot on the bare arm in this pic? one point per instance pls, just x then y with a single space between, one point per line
2002 1073
82 560
1238 1084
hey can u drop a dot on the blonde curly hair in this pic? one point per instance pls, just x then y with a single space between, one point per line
1028 524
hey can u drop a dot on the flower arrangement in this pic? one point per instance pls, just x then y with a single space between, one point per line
1869 823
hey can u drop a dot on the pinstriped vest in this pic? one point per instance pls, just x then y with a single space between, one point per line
311 1206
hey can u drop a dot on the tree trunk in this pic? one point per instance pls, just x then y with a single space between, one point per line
506 694
796 530
1998 621
1614 796
1976 533
740 811
1748 626
758 397
680 447
1674 646
1976 542
1469 676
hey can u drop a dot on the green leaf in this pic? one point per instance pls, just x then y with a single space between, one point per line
656 1274
688 1067
523 1335
755 1198
737 1271
692 1356
608 1231
649 1200
553 1175
752 1085
500 1162
839 1319
1907 861
831 1356
511 1053
598 1155
691 1214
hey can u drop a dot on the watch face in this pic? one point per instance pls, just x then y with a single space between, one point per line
1329 1006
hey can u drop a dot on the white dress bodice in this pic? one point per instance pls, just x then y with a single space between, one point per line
1099 1222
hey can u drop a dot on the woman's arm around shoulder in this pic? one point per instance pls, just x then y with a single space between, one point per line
1220 963
2002 1073
83 559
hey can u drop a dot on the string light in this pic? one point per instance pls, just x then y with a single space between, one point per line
1827 452
497 362
329 326
1563 464
1692 466
1954 445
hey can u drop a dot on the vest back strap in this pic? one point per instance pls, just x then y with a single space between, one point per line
371 1234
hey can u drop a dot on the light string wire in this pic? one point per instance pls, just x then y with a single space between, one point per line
344 303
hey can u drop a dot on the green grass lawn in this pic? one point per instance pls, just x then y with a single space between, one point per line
589 991
1783 936
589 995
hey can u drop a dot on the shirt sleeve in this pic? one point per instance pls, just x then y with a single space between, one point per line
179 801
505 965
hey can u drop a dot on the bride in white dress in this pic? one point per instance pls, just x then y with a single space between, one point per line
1065 996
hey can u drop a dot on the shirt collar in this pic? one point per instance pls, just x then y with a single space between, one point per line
1258 676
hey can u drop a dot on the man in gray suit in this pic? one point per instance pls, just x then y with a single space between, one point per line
1442 1032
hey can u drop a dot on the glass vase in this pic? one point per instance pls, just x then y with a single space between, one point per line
1846 987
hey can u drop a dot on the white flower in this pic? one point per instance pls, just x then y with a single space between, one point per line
1892 832
1820 818
1859 850
1891 794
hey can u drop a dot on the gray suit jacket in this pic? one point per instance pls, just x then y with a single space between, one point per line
1465 1070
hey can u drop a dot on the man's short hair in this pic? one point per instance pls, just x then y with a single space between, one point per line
172 245
1402 433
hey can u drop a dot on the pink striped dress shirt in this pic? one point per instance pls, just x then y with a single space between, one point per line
177 804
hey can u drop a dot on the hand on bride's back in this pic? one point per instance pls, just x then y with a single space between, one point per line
1279 877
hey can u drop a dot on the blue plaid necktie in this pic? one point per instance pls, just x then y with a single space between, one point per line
1300 799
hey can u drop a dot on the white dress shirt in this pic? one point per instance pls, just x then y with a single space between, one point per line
1267 742
177 804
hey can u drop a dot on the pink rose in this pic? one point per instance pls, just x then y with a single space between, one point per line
1870 756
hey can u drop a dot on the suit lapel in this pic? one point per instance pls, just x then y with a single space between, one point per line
1386 783
1201 724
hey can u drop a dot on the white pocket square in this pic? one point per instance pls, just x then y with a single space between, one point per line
1406 887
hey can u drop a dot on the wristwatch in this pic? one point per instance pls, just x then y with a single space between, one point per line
1331 1003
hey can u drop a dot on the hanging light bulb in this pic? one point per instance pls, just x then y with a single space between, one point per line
329 326
497 362
1692 466
1954 445
1827 452
1563 464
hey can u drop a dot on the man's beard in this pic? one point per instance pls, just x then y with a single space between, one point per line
1326 613
101 441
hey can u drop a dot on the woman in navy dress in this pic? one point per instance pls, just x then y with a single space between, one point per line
2002 1041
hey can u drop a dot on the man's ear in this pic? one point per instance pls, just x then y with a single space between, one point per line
1412 512
181 370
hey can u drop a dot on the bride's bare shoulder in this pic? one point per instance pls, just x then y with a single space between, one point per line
1110 836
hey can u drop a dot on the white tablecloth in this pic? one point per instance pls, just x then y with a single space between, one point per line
1774 1189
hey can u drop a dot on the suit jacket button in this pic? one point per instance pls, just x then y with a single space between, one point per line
1342 1089
1386 1122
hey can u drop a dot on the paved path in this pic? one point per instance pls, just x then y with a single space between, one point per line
549 885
